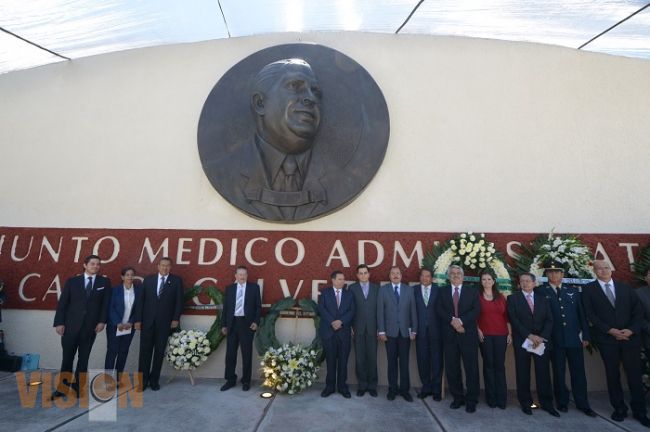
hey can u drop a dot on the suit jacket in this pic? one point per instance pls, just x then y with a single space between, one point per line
644 297
396 319
161 311
241 176
78 313
427 316
116 305
603 316
252 305
569 318
469 308
330 312
523 322
365 316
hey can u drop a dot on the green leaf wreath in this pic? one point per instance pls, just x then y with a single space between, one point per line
214 335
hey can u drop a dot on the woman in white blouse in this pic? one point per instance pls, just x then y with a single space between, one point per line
119 329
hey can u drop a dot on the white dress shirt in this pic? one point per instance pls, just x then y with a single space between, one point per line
129 298
611 287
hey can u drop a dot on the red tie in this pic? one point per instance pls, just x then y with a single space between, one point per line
338 298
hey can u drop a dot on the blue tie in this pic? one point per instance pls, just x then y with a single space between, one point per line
89 287
396 293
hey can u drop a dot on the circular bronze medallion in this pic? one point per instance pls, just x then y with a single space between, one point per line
293 132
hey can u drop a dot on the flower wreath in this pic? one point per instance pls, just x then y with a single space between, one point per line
266 338
470 251
565 250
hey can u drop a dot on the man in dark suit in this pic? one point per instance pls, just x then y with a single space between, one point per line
80 315
157 314
570 336
242 307
397 325
531 318
336 309
428 343
616 316
364 326
458 308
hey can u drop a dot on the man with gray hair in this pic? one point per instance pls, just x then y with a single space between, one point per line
458 308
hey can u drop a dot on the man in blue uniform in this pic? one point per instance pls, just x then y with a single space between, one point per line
570 336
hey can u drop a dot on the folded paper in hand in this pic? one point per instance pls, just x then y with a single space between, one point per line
528 346
122 332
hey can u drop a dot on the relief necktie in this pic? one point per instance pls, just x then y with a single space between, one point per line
338 298
396 293
456 298
426 296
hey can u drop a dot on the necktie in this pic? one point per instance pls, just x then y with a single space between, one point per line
288 181
529 299
610 294
89 287
291 174
338 298
426 296
239 303
161 287
456 298
396 293
558 291
365 289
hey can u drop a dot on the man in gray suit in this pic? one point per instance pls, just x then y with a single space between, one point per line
365 331
397 325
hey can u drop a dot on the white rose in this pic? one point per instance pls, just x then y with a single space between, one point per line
463 235
454 247
472 238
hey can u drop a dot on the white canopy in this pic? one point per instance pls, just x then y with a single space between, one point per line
38 32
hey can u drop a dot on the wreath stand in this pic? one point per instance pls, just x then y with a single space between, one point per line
189 372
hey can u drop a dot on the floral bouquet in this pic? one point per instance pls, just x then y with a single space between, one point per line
470 251
289 368
188 349
567 250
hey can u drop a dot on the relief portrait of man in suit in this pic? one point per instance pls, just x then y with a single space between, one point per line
296 153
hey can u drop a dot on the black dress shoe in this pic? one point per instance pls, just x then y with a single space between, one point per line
527 410
563 408
360 393
618 416
589 412
390 396
346 394
501 406
155 387
491 404
57 394
372 393
456 404
326 392
437 398
552 412
470 408
407 396
227 386
246 386
423 395
641 418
